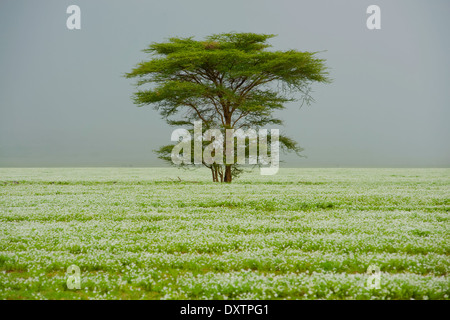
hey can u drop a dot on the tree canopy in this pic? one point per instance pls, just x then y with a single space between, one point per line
227 81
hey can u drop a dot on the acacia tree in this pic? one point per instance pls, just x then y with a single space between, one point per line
227 81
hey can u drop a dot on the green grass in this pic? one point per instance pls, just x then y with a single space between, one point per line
301 234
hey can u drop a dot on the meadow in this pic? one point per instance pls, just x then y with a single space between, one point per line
165 233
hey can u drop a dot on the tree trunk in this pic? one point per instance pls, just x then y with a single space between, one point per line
227 115
216 170
212 172
227 173
220 173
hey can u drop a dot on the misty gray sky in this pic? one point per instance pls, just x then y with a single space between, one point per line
64 102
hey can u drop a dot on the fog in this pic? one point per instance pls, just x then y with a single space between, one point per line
64 100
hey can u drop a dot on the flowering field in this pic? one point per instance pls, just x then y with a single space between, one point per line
162 233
